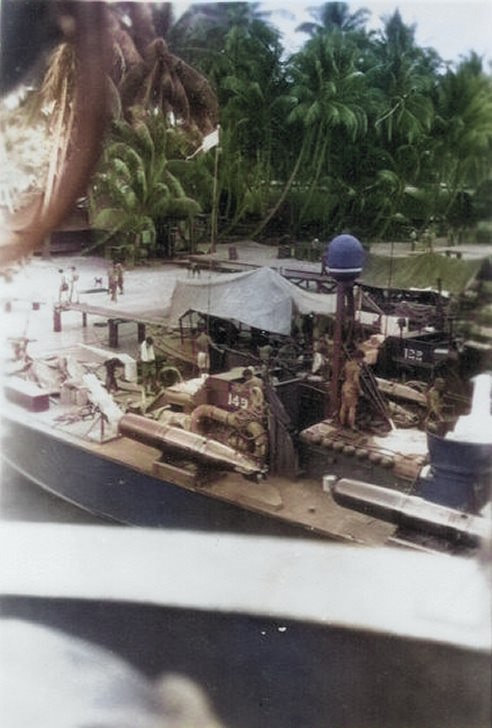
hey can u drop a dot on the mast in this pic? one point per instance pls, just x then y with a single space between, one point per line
215 201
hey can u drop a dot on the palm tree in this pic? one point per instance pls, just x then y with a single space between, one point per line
240 53
146 73
402 76
327 110
335 15
198 36
134 189
462 131
250 86
141 70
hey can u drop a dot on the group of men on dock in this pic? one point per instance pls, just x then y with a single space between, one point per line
69 286
68 291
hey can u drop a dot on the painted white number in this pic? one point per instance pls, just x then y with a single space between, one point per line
234 400
413 354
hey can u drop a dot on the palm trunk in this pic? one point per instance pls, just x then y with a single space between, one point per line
320 156
282 197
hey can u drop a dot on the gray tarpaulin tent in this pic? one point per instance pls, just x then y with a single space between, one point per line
261 298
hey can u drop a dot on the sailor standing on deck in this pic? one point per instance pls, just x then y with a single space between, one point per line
111 365
351 389
434 419
265 354
319 365
149 367
251 380
252 388
203 343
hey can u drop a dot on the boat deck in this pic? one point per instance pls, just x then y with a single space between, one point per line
299 501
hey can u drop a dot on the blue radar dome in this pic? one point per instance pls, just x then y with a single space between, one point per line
344 257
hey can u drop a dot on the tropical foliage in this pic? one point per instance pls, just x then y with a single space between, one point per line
135 195
358 130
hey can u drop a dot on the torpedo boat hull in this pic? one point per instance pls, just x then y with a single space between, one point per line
119 491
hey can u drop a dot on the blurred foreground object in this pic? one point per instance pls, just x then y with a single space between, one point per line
28 30
279 633
68 682
67 67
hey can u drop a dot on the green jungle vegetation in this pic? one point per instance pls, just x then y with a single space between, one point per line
358 131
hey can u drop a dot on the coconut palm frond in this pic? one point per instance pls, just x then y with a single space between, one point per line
134 178
108 219
183 207
61 72
143 135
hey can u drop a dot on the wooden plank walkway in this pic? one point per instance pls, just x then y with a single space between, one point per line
305 279
114 319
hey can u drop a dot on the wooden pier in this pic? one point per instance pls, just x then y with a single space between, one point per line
113 319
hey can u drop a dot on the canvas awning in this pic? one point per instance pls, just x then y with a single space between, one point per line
261 298
422 272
